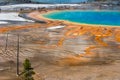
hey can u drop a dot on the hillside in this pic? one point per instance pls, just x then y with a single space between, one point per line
5 2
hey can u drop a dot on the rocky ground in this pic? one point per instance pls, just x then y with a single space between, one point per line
55 55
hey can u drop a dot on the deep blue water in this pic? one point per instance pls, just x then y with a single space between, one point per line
88 17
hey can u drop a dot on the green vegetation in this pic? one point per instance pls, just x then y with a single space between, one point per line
27 71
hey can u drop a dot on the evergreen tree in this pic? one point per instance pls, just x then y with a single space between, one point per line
28 70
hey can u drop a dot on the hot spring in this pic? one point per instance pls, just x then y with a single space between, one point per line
109 18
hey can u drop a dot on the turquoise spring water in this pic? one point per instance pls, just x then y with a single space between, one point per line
110 18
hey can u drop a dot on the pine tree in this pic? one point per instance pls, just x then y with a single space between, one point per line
28 70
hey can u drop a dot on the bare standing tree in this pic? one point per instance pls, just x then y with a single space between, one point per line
6 43
18 50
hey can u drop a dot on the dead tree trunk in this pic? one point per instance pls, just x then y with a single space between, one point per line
6 43
18 50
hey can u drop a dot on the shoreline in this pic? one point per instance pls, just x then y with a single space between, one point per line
41 16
